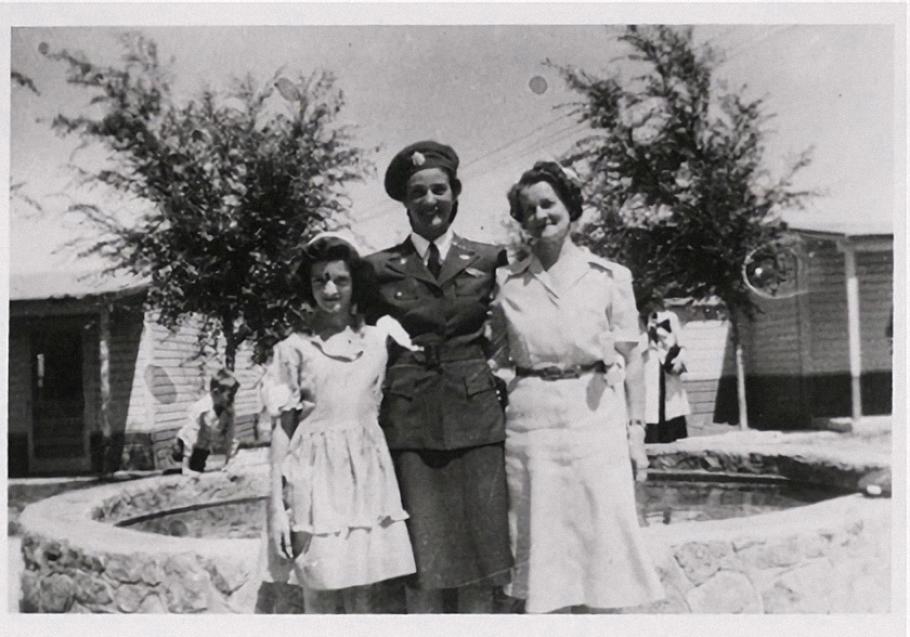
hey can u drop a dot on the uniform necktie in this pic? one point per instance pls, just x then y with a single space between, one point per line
434 263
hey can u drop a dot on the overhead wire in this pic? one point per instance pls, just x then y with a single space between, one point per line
382 207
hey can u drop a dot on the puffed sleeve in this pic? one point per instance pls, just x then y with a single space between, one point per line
283 388
623 312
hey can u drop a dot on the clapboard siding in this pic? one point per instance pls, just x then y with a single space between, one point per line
176 375
828 309
126 398
771 341
875 271
709 359
798 357
708 349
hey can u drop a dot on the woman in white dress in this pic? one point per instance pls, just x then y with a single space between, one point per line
572 330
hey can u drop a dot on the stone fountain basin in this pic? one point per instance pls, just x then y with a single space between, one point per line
832 556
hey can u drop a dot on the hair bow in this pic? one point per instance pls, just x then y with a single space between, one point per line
652 331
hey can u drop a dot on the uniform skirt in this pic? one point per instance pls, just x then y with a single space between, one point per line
458 506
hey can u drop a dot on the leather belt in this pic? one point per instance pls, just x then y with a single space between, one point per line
560 373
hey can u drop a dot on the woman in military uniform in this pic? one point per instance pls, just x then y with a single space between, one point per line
575 412
441 413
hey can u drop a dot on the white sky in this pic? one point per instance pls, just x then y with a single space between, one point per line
830 86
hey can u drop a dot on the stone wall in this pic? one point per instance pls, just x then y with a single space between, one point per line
76 561
832 556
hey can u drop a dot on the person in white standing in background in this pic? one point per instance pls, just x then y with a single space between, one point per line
666 401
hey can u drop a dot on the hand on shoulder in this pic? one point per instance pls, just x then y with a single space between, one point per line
390 328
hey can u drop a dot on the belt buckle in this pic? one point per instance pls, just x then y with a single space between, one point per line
552 373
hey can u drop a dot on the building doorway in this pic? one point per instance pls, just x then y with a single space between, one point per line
59 435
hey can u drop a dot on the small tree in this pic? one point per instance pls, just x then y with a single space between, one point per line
674 169
229 188
17 188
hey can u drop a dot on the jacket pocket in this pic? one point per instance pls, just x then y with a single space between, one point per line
401 387
479 382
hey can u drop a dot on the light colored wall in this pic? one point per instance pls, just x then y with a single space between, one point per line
875 271
172 376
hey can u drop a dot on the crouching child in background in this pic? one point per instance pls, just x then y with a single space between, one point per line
209 424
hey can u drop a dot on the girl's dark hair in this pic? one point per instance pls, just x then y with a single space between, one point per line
551 172
332 249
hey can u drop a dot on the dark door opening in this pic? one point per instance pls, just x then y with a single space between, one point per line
58 416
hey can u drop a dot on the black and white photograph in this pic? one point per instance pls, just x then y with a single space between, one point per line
385 311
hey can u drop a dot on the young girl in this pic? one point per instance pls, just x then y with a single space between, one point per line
666 402
335 509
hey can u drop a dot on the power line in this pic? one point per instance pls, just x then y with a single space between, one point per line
737 51
469 166
475 166
538 145
384 207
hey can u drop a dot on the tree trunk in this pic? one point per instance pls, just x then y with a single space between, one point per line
230 342
740 375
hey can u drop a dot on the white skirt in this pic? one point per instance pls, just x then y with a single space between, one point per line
573 522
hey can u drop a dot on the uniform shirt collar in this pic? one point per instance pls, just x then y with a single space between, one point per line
443 242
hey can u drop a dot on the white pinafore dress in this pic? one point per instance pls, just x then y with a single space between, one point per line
341 485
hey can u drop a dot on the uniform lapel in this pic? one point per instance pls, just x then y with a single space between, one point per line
408 263
459 257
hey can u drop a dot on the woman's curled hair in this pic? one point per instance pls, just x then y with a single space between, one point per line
552 173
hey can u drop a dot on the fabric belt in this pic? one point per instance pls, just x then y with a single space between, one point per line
433 355
560 373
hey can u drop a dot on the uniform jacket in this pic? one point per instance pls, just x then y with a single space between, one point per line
444 397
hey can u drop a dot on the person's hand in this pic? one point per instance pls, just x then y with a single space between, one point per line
502 391
280 532
637 453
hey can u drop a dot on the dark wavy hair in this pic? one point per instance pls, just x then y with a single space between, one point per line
332 249
552 173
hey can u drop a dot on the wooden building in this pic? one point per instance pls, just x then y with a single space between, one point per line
821 354
85 359
826 352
